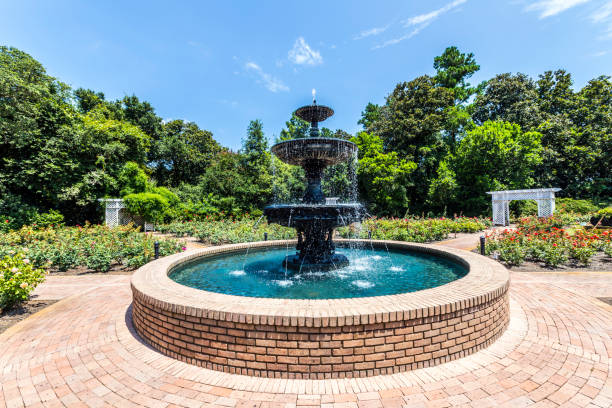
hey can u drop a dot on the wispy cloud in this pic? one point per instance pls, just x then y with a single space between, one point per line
603 13
599 54
548 8
418 23
303 54
371 32
394 41
271 83
427 18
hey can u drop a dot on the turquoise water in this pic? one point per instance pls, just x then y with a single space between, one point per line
372 272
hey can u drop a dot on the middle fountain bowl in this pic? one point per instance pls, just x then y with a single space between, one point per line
314 219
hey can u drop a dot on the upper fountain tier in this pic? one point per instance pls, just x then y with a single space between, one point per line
326 151
314 150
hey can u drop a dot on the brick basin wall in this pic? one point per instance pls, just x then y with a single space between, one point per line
378 340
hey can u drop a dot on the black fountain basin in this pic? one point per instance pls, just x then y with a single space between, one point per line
325 215
314 113
328 151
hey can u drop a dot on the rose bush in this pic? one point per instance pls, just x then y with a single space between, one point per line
18 277
95 247
544 240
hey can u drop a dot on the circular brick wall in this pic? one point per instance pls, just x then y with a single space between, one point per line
319 339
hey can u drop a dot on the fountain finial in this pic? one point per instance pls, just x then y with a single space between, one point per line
314 96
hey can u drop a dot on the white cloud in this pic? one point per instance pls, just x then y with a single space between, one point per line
370 32
419 22
599 54
432 15
603 13
548 8
402 38
271 83
302 54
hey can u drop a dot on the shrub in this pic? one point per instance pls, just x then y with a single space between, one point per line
553 255
512 254
570 205
150 206
99 259
582 253
18 278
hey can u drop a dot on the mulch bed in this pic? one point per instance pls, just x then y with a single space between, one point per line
116 269
21 311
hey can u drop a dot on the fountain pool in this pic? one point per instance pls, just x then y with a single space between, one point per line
371 272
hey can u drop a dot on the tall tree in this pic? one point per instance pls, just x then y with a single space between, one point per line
494 156
510 98
453 68
183 153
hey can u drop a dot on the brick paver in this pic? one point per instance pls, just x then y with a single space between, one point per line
83 351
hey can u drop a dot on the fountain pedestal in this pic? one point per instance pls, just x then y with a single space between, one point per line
313 219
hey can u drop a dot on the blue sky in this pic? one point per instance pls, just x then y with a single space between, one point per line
221 64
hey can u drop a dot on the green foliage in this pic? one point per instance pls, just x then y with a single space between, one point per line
452 70
182 153
150 206
132 179
382 177
18 277
495 156
229 231
414 229
93 246
606 212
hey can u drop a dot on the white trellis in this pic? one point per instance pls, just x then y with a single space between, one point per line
116 214
545 197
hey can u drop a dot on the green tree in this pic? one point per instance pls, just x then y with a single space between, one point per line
494 156
183 153
443 189
510 98
295 128
383 177
453 68
369 117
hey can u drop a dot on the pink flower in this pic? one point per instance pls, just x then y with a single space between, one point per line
26 261
15 270
184 248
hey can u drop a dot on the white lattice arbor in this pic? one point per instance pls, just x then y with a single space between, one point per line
545 197
116 214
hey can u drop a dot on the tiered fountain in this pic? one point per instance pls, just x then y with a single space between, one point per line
398 305
314 219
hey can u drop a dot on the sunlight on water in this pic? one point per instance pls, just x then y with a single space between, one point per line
371 272
363 284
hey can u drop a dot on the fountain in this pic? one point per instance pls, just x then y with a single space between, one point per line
314 219
396 306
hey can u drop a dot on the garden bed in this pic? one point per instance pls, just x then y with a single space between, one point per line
85 249
549 243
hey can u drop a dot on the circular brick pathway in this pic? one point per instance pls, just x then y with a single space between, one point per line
83 351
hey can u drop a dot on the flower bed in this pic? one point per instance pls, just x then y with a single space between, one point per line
415 229
94 247
228 231
546 241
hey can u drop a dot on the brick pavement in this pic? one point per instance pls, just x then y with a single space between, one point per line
83 351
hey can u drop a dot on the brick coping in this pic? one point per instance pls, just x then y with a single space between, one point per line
486 281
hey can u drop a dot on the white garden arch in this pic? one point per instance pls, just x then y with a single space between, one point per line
116 214
545 197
